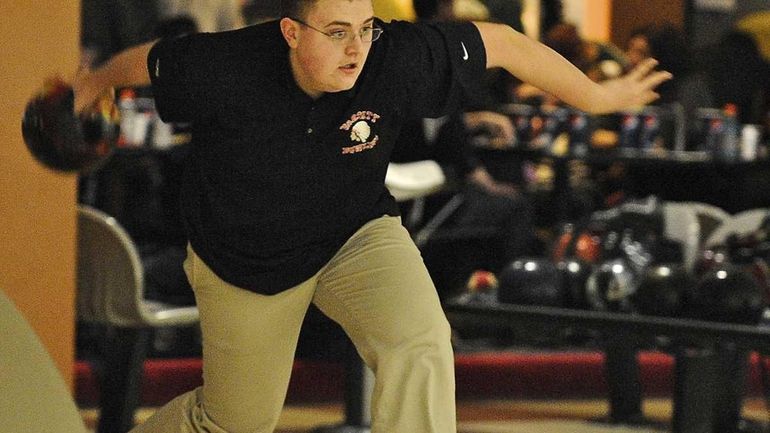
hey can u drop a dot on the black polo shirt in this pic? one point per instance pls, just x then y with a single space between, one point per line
278 181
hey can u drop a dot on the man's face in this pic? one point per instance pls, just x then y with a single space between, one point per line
321 64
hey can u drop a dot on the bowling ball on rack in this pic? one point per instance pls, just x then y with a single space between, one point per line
727 293
662 290
762 250
585 245
710 259
574 274
610 287
531 281
481 288
760 270
66 141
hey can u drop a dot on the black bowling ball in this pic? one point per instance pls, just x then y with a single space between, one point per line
762 250
574 274
710 259
662 290
63 140
727 293
610 287
532 281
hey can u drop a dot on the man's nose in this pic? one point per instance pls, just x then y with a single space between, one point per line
354 43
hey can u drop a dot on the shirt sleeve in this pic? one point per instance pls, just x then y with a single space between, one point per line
444 63
182 78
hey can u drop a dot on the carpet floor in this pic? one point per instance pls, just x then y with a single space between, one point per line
501 416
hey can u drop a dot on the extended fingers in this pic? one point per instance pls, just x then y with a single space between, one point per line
86 95
645 75
653 80
648 97
643 69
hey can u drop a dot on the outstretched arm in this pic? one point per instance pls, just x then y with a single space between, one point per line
128 68
536 64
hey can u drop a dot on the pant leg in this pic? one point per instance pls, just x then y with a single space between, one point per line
249 342
377 288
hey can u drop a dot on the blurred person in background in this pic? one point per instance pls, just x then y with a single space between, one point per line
209 15
259 11
668 44
738 74
110 26
490 201
730 71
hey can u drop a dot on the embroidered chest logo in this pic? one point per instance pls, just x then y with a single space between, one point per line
360 129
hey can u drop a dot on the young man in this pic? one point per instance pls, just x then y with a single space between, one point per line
284 197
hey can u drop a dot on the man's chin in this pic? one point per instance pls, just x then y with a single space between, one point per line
342 87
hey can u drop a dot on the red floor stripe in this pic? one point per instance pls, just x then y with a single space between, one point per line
479 375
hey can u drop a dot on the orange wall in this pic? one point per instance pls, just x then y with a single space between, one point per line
37 206
597 20
628 15
614 20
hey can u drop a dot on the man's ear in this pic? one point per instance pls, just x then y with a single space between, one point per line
289 31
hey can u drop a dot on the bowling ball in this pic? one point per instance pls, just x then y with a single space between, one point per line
481 288
481 281
662 290
762 250
531 281
574 274
610 287
586 247
727 293
760 270
710 259
561 245
63 140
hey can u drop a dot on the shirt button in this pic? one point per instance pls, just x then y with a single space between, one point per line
310 131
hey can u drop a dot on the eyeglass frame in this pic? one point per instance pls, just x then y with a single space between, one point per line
376 32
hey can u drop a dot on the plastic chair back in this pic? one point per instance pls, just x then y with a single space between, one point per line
710 217
739 224
681 224
110 278
412 180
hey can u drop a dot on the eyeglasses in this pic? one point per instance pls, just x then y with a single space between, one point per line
367 34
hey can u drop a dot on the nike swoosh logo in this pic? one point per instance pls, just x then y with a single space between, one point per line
465 52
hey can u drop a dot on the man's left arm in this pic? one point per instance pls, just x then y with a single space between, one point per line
537 64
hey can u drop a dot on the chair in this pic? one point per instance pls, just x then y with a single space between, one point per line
710 217
681 224
414 180
34 398
110 293
739 224
434 205
693 224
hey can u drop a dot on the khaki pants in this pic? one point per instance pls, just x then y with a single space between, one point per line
376 287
